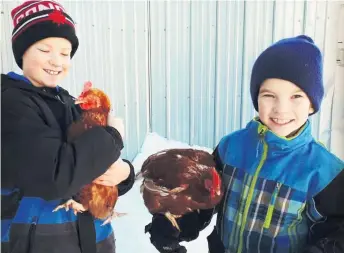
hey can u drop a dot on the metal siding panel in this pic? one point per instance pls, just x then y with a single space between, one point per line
329 43
337 115
337 120
7 57
319 38
229 68
141 78
289 19
299 10
158 67
129 58
284 19
177 70
203 39
134 79
257 36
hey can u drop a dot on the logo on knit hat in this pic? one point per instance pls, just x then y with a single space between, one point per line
57 17
31 7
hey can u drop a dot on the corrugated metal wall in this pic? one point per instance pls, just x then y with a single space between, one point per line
182 69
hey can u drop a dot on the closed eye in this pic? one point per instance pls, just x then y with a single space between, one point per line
297 96
268 95
44 51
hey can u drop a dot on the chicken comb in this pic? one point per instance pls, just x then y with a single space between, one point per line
87 86
216 178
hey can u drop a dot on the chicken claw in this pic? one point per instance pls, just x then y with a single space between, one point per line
172 219
113 215
77 207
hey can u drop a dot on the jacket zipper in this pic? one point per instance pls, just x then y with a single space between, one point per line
262 130
57 96
271 207
32 232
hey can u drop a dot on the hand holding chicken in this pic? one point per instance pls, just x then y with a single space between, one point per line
100 196
178 181
116 173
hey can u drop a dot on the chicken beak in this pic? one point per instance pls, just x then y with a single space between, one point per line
79 101
138 176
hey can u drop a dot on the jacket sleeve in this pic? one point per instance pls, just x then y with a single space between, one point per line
327 235
36 159
127 184
166 238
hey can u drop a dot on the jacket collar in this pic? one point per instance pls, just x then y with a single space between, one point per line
15 80
259 131
16 76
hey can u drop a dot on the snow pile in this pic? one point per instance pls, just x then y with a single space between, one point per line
129 229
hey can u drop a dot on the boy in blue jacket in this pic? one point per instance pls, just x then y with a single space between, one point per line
283 190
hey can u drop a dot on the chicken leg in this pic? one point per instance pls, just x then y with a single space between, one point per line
113 215
172 219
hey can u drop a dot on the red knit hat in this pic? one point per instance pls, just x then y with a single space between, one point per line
37 20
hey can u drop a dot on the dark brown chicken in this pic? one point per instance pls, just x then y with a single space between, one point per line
178 181
98 199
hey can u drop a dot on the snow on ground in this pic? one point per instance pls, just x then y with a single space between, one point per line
129 229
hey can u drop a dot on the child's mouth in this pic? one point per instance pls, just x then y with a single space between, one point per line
52 72
281 122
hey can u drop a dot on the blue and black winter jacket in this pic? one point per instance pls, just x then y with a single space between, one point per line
282 195
271 183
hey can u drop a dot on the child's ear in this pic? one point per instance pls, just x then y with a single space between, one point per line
311 110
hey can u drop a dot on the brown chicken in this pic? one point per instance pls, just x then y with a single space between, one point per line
178 181
98 199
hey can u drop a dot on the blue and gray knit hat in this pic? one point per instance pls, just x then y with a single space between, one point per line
297 60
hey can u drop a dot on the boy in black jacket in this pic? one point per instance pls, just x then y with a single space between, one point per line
39 167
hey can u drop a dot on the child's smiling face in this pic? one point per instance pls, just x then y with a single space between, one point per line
47 62
282 106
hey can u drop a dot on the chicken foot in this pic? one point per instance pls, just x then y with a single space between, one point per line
72 204
172 219
113 215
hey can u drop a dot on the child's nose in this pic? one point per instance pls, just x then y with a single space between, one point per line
281 106
56 61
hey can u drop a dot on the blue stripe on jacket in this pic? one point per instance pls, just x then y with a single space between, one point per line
31 206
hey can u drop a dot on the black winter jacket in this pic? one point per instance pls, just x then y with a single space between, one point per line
39 164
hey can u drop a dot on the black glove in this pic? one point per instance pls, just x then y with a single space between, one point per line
325 246
164 236
190 226
214 242
331 244
327 236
